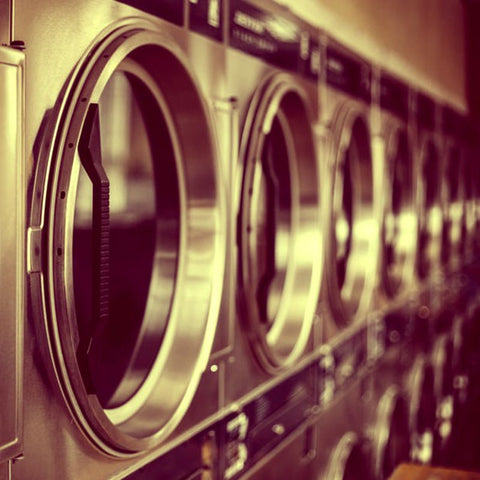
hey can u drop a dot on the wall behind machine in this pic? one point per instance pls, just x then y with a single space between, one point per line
421 41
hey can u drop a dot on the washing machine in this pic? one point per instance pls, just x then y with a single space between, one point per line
12 214
350 260
352 191
393 143
272 68
444 368
390 433
391 320
471 191
343 447
127 168
454 185
429 190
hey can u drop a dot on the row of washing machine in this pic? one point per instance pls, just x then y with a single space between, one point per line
226 234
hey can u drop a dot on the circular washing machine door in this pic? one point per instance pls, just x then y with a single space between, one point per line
391 434
279 223
429 206
454 231
399 222
352 240
350 460
134 240
422 410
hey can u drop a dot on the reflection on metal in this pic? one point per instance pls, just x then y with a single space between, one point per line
280 240
164 223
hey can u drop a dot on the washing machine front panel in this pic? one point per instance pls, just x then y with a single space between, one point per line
12 303
471 194
422 409
340 425
443 361
165 188
350 460
392 438
353 227
454 196
120 368
279 224
271 70
429 190
399 222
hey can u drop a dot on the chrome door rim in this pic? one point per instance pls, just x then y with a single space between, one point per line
351 300
280 99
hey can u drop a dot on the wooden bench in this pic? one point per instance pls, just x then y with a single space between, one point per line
424 472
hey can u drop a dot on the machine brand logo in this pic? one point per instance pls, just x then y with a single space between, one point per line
249 23
268 36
